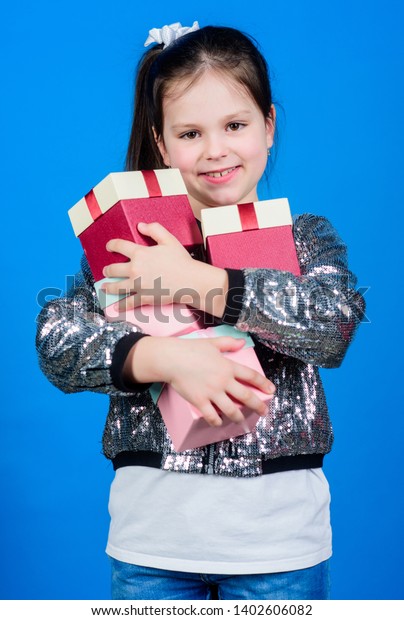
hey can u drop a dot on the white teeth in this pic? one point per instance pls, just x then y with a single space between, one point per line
220 174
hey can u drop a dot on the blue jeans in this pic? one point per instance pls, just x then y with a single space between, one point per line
132 582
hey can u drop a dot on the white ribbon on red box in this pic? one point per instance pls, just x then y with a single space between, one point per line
248 216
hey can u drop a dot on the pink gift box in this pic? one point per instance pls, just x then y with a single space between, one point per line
165 320
185 424
156 320
251 235
114 207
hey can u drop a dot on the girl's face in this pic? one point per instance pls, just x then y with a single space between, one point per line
218 137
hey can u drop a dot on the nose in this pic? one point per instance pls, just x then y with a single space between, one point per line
216 147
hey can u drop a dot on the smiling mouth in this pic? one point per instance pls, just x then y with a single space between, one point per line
222 173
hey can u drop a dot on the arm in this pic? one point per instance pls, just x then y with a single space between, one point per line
198 371
78 350
312 317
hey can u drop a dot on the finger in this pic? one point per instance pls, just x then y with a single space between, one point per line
157 232
121 246
128 303
229 408
117 270
210 414
243 394
252 377
227 343
122 287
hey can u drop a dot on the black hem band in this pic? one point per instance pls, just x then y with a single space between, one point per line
287 463
146 458
141 458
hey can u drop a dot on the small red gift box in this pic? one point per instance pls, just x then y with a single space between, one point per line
251 235
114 207
186 426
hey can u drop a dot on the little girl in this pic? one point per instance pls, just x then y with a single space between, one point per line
247 518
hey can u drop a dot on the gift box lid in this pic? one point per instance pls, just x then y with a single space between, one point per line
118 186
248 216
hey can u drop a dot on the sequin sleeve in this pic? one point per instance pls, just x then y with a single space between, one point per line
312 317
75 343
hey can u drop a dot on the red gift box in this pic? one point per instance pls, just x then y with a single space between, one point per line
114 207
256 235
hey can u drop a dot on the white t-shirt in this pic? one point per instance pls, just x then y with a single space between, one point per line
214 524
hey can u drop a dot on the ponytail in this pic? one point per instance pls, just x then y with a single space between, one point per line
143 153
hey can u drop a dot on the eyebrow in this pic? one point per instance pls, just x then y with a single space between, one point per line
226 118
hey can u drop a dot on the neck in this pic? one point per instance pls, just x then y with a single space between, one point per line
196 207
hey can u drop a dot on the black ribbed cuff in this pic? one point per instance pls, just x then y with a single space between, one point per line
119 356
235 294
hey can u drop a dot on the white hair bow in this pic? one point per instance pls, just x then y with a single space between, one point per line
168 34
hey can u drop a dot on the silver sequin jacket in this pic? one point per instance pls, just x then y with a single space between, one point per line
298 324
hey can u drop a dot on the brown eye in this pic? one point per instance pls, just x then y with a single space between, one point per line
190 135
235 126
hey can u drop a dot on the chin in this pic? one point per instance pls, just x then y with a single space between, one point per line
225 196
233 200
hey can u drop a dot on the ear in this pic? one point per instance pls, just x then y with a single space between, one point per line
270 126
161 147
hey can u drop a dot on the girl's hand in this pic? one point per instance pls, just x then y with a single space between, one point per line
199 372
154 274
164 273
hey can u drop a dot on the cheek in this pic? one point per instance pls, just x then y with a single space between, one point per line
257 146
179 156
181 161
256 152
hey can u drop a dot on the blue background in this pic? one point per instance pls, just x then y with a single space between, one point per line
67 82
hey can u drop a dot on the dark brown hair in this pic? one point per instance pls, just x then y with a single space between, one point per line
222 49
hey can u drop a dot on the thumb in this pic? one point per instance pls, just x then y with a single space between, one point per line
157 232
227 343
